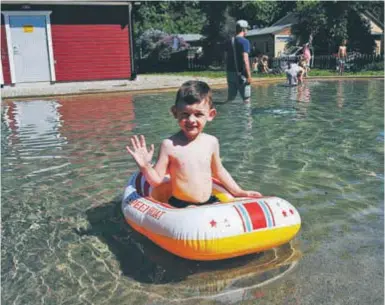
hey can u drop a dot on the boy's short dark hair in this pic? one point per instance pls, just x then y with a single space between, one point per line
194 91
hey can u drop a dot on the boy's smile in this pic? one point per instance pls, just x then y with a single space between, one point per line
193 118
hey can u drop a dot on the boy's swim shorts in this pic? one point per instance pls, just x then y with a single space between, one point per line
175 202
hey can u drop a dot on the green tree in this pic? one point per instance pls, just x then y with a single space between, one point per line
376 8
173 17
147 42
219 27
329 22
359 36
262 13
312 21
168 45
336 23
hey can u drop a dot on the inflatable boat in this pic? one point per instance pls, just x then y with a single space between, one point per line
229 228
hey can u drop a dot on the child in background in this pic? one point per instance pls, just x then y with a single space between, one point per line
254 65
306 56
303 64
265 65
294 74
342 56
190 156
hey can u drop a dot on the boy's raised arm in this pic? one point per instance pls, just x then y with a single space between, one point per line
143 157
224 176
161 165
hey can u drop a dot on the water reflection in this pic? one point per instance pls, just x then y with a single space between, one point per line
69 118
86 117
34 120
340 95
303 93
60 129
34 141
100 123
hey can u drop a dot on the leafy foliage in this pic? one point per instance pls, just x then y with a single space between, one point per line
214 19
330 22
376 8
262 13
312 21
168 45
222 15
148 40
176 17
159 45
359 36
375 66
326 23
220 26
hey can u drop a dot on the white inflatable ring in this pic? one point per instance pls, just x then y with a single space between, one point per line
232 227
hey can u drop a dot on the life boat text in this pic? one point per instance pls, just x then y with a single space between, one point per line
144 208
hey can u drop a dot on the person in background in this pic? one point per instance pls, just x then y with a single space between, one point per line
307 57
254 64
242 50
342 56
303 64
265 65
294 74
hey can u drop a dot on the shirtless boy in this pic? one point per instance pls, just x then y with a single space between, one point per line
342 56
190 156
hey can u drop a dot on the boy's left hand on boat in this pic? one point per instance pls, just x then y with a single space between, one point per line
252 194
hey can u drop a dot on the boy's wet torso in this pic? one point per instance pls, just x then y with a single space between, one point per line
190 167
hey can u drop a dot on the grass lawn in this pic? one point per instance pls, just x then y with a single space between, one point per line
313 72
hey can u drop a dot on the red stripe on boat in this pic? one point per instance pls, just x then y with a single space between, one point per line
138 184
240 216
271 212
256 214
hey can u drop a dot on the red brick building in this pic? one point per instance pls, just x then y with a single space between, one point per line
63 41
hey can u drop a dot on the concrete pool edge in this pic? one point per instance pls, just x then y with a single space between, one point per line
9 93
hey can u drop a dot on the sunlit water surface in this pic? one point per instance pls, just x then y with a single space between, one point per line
64 168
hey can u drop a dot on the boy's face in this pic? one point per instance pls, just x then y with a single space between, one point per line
193 118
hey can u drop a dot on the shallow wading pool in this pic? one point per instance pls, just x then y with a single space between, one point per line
64 167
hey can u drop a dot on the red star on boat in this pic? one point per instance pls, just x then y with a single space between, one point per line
291 211
284 213
213 223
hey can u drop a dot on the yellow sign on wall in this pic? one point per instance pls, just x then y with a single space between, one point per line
28 28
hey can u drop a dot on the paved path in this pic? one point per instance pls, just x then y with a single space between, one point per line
143 82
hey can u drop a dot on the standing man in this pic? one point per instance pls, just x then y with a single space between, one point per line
242 50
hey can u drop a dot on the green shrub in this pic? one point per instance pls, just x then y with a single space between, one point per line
374 66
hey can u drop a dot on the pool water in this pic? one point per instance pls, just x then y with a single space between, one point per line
64 167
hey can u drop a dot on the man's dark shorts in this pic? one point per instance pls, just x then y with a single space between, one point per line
233 87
